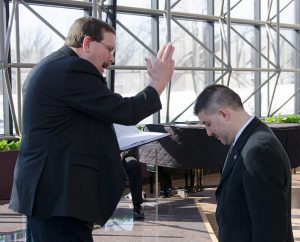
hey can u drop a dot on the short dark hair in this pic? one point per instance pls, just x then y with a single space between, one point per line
87 26
215 96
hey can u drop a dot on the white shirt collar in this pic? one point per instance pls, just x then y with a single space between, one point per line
242 129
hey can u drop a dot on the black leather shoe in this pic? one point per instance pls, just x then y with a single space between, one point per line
138 212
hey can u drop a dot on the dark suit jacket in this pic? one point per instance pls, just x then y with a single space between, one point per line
69 161
254 194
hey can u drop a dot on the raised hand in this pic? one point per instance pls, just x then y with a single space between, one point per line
161 71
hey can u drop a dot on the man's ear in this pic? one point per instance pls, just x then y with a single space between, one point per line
224 113
86 43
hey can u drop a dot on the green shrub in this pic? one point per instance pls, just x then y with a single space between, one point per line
292 118
10 145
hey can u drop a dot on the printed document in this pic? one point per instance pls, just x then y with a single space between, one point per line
130 136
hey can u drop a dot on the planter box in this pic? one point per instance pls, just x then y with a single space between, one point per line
7 166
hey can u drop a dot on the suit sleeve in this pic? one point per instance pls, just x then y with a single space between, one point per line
266 187
85 91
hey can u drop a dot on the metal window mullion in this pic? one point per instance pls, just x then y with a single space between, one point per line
152 12
179 68
2 50
7 119
63 3
273 94
222 39
257 58
278 34
168 39
210 75
228 22
112 17
8 130
7 95
155 45
297 55
269 10
268 52
18 71
95 8
277 56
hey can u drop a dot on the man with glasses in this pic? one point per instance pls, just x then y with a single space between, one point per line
68 174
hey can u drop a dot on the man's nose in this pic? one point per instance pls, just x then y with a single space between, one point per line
112 58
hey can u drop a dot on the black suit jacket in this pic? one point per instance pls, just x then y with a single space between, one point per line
254 194
69 161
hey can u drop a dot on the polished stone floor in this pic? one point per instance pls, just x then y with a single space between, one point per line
171 219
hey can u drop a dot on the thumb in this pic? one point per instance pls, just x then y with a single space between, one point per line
149 65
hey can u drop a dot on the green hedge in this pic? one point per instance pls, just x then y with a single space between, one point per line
9 145
292 118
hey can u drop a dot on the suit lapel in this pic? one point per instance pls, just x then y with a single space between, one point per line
237 149
231 160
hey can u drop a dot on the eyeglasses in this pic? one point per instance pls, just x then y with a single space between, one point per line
109 48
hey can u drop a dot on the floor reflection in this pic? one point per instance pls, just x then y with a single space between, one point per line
169 220
119 223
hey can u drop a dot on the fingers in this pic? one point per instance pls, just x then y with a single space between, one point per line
149 65
160 52
167 52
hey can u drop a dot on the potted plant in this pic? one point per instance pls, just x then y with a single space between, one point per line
9 149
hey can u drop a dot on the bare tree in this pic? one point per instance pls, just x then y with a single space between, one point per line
34 46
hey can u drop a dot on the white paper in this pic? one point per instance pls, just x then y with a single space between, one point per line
130 136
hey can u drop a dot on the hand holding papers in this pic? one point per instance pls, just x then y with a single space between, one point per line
130 136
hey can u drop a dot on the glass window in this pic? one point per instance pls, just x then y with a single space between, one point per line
187 6
188 51
129 82
38 40
128 50
136 3
185 86
268 48
242 9
242 82
287 52
286 8
283 91
242 52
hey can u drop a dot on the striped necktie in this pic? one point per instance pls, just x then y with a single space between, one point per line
228 154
